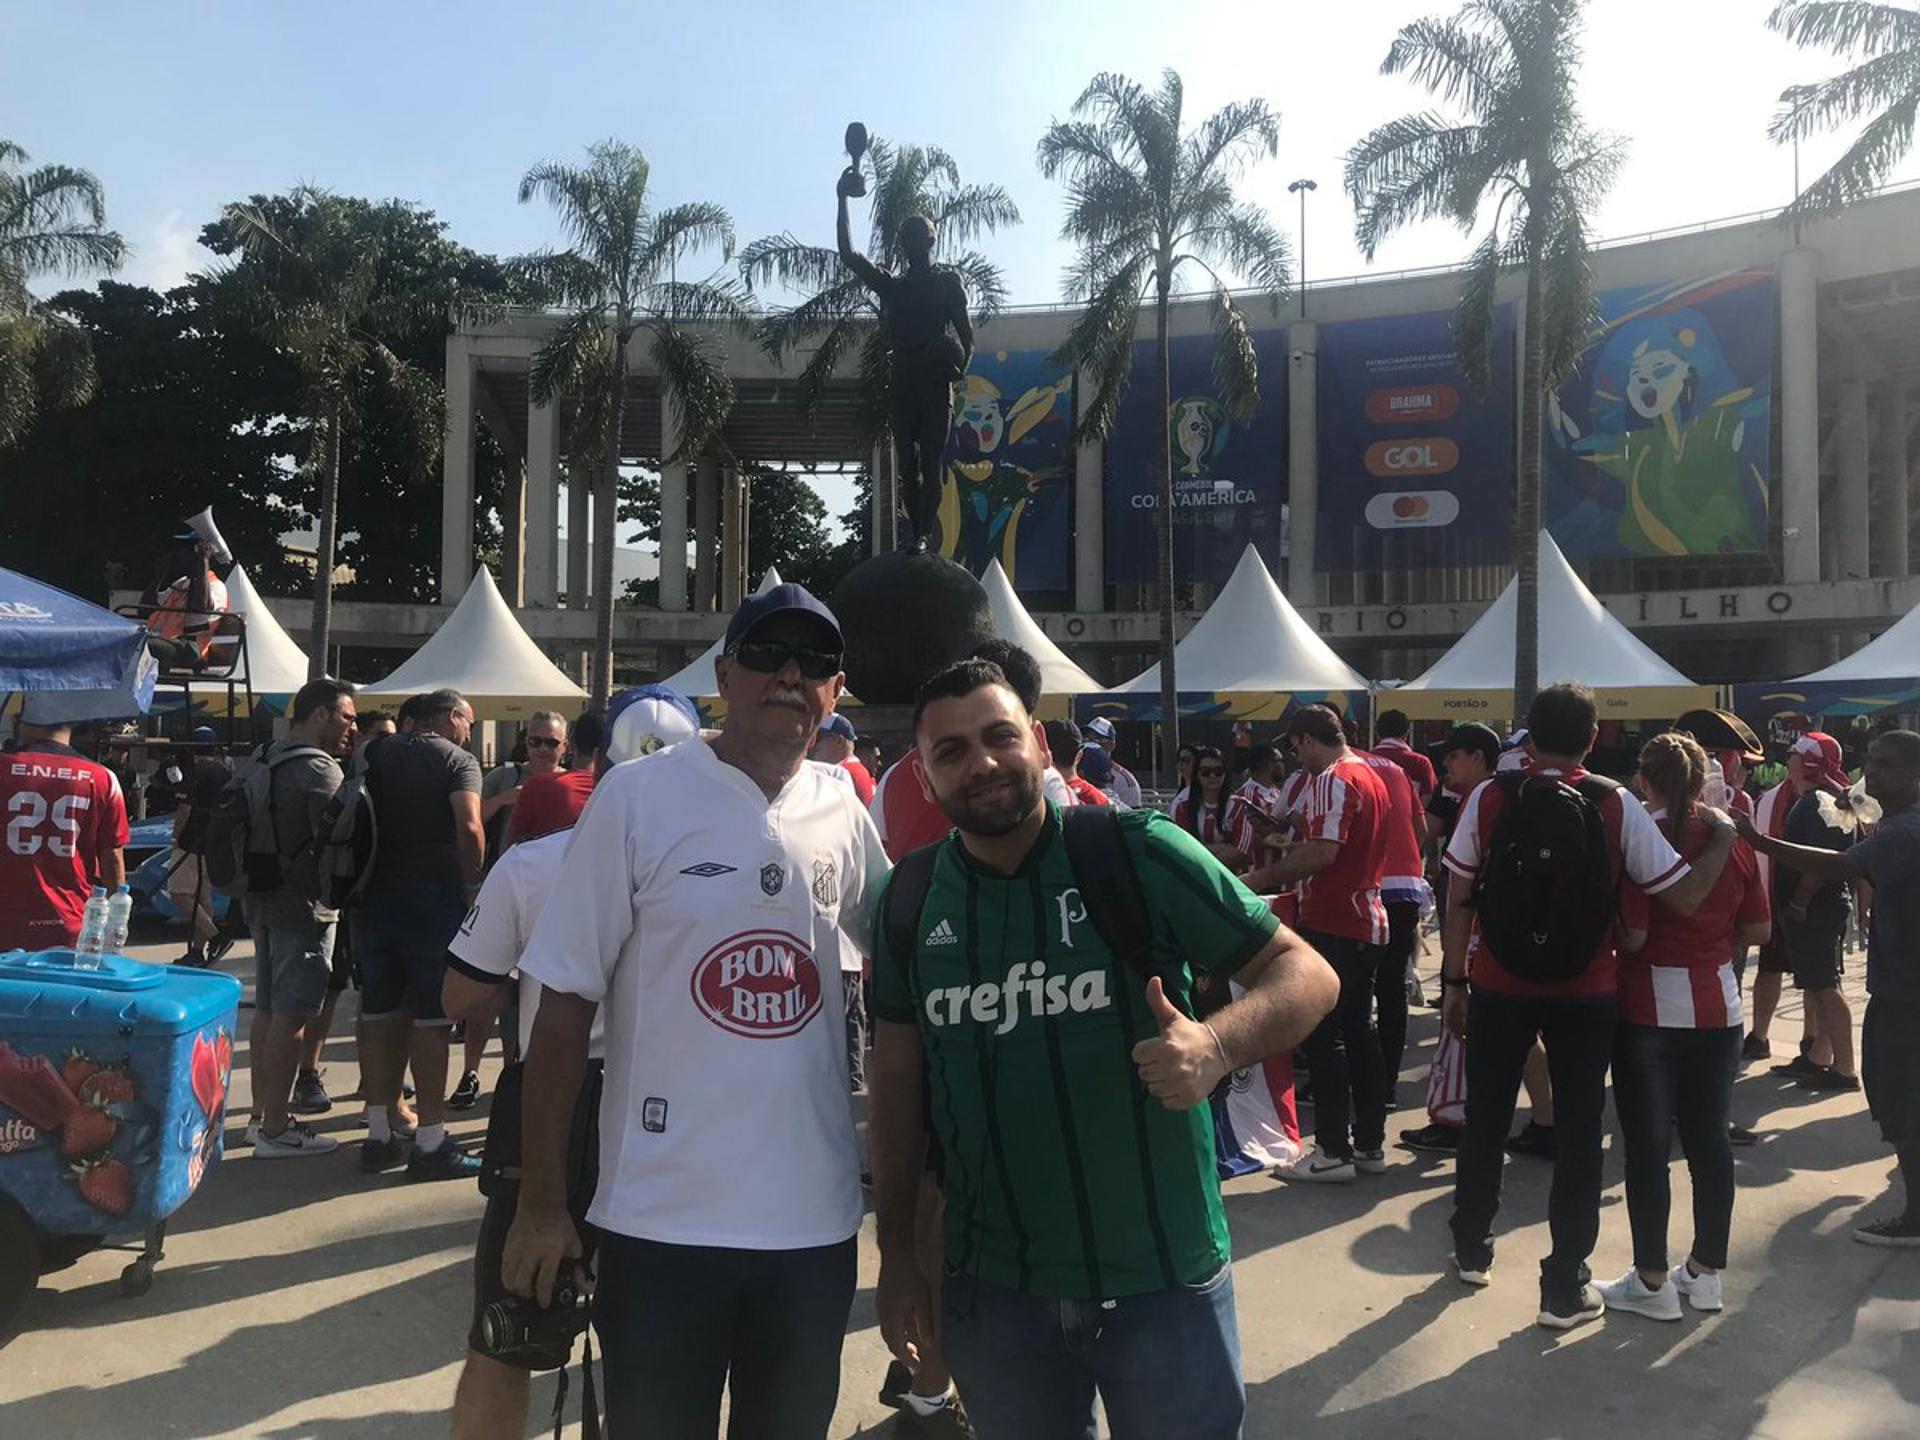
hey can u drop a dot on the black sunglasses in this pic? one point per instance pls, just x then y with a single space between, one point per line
542 742
769 656
1207 770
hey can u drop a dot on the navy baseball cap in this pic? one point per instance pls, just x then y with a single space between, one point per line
784 599
837 724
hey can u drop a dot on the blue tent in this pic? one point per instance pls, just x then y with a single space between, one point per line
53 641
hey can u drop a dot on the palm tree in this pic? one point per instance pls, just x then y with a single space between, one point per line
620 273
52 221
313 277
1511 66
1145 200
839 311
1885 83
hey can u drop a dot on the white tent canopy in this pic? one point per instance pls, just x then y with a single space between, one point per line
1251 639
273 665
1580 640
698 681
1892 656
1058 674
481 651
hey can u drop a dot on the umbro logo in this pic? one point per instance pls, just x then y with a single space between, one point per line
707 869
941 934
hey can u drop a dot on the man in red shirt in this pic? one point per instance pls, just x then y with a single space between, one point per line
1772 967
66 826
1064 744
834 746
1405 893
1391 729
1339 858
1575 1016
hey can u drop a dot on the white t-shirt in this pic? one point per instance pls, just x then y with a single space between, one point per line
707 922
493 938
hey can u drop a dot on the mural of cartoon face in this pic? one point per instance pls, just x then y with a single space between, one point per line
977 418
1656 379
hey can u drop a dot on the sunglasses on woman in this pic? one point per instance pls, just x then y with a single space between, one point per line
767 657
1212 772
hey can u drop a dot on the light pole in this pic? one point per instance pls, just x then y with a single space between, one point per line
1300 188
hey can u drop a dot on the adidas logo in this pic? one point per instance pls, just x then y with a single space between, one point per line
941 934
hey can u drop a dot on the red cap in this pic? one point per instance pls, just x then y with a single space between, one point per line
1821 759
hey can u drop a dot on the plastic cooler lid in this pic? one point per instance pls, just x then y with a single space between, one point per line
42 990
56 967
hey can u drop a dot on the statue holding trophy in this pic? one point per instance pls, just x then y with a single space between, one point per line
924 311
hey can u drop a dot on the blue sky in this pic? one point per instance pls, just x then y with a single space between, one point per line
181 107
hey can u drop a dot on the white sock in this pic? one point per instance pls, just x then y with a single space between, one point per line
379 1128
427 1138
924 1405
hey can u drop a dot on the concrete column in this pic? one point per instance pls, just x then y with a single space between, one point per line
733 551
706 532
1892 470
1851 522
1089 516
1799 417
513 537
1303 461
885 522
673 513
543 505
456 485
579 540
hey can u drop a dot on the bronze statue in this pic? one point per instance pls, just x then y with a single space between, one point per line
925 314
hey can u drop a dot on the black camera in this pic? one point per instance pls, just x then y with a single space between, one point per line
540 1338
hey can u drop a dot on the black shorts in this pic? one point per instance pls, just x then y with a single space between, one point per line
1813 952
1772 956
1890 1069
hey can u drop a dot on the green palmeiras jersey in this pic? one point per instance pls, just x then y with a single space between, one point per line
1063 1176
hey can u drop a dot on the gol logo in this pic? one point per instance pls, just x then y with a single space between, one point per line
1433 456
761 983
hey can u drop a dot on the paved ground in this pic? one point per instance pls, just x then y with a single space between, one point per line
307 1300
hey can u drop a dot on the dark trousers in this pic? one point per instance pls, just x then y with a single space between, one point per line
1390 985
1662 1078
1349 1077
678 1324
1501 1030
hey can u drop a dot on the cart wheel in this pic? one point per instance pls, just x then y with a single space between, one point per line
19 1263
137 1278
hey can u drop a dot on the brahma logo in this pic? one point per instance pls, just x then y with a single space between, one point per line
761 983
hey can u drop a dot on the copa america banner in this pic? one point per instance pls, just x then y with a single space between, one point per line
1004 494
1661 442
1228 479
1416 465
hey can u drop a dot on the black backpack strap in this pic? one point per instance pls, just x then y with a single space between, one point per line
1104 871
906 896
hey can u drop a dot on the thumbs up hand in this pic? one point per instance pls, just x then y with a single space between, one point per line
1181 1065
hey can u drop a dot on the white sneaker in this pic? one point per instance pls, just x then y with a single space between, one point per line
1370 1162
1702 1291
1319 1169
1479 1279
1630 1293
296 1139
252 1137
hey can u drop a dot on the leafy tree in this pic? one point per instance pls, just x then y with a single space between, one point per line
52 222
316 288
1146 199
620 273
840 312
1511 67
1883 84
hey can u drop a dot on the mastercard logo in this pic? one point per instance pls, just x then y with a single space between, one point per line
1412 509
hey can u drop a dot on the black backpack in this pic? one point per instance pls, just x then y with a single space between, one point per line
1545 895
1102 869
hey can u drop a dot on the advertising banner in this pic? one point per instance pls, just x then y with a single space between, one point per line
1006 491
1416 465
1228 479
1659 443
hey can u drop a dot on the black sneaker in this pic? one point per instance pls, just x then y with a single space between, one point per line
1797 1068
218 947
1574 1307
894 1387
1755 1047
1826 1078
466 1094
195 958
378 1155
309 1095
1902 1232
448 1162
1740 1135
1433 1140
1534 1140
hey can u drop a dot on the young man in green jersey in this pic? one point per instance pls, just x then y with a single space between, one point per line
1086 1244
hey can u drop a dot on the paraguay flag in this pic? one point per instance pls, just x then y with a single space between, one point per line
1255 1126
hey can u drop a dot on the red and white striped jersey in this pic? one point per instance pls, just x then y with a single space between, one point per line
1405 877
1770 819
1347 804
1682 977
1417 767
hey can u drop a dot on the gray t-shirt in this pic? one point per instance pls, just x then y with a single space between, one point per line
1890 856
412 778
301 789
500 780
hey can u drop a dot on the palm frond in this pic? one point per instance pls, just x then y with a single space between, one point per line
784 260
969 211
694 378
1236 366
1463 66
714 301
1256 249
61 252
572 360
1406 171
562 276
682 230
985 283
1101 343
1473 316
786 328
810 386
1234 131
1569 313
1845 26
1867 161
873 399
576 200
1873 85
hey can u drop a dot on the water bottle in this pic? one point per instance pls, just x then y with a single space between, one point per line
92 943
119 918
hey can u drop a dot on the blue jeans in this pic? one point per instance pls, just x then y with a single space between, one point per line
1165 1364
